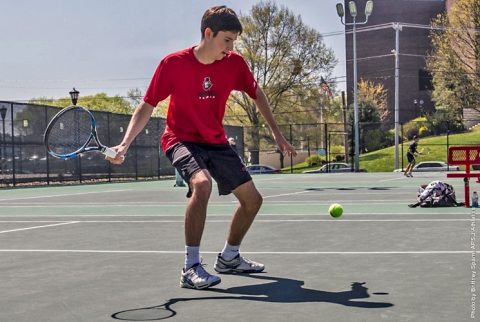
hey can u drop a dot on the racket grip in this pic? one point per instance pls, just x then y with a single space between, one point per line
110 153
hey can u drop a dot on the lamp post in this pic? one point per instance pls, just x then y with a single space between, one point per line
396 53
74 96
419 103
353 12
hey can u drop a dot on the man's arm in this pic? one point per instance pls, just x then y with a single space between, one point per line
264 107
139 119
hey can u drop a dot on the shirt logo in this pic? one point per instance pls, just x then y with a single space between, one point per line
206 93
207 84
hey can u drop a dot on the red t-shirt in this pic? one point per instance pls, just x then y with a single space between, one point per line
198 94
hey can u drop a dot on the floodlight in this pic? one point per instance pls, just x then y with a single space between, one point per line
353 8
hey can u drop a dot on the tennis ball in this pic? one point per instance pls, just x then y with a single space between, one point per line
335 210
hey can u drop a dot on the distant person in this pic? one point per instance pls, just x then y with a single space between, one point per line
232 143
178 179
412 151
198 81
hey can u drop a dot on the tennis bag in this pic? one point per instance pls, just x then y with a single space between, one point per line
436 194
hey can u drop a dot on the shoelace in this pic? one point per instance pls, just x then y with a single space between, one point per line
248 262
201 272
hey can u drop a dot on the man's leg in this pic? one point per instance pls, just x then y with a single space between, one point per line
412 164
196 213
230 261
250 202
407 169
193 274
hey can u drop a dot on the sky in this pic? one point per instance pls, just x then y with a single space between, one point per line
48 47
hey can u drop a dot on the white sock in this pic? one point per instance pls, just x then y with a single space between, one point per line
192 256
229 252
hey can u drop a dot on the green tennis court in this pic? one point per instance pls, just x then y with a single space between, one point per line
110 252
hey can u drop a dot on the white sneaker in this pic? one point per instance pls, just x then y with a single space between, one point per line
198 278
237 265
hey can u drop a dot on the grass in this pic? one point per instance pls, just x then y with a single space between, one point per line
434 148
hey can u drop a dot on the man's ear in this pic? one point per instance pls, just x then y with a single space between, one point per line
208 33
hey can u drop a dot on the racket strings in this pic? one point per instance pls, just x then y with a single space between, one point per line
70 132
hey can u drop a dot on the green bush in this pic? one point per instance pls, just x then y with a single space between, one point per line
313 160
374 140
442 121
412 128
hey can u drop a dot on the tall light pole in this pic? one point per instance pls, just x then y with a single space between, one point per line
353 12
396 52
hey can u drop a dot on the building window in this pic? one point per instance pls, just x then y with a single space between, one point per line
424 80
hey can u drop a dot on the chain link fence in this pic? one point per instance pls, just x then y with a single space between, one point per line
333 142
23 157
24 160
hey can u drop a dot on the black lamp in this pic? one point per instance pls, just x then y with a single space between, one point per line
3 112
74 96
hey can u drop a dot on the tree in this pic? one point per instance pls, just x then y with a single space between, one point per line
287 59
373 110
135 96
97 102
372 102
455 58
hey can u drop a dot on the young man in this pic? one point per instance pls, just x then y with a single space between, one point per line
412 150
199 81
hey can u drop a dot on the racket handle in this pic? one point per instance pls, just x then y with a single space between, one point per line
109 153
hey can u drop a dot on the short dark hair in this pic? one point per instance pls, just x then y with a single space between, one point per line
220 18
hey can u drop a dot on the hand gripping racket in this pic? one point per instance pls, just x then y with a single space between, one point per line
73 131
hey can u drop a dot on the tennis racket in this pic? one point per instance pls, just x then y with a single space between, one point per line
73 131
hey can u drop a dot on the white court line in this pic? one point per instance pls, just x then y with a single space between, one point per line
258 220
36 227
399 178
286 194
230 215
171 204
441 252
64 195
314 200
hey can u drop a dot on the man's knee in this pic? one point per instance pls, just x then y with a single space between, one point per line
201 184
254 202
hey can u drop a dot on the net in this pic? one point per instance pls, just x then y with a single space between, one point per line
464 155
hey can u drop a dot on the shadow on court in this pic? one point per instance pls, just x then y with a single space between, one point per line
349 189
277 290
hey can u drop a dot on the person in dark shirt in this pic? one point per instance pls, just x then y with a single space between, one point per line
412 150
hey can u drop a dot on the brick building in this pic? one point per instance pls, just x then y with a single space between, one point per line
375 61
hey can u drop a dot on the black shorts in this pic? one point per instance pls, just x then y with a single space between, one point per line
221 161
410 157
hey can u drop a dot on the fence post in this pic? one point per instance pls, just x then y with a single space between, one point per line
109 144
448 143
47 159
308 145
79 164
13 146
401 133
291 155
136 158
158 148
326 144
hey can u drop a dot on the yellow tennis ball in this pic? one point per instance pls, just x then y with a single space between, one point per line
335 210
